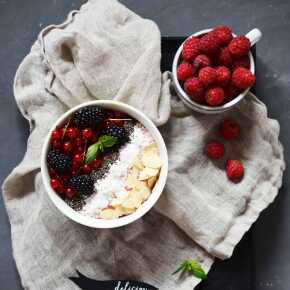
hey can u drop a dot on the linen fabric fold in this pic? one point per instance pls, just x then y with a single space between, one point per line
105 51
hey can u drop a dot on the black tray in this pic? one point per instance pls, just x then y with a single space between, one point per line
238 272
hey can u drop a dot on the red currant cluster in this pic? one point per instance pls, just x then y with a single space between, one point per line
73 142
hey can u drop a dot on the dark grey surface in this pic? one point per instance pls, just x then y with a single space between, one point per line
262 259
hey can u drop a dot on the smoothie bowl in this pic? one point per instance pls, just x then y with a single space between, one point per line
104 164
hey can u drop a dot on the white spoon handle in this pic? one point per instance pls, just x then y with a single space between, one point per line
254 35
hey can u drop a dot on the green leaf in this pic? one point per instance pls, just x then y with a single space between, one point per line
92 153
196 269
104 142
193 267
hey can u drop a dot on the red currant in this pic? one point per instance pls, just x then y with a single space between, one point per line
78 158
56 144
97 163
52 174
67 147
87 133
86 169
55 184
72 133
75 165
118 122
69 192
60 189
56 135
79 150
74 173
78 142
66 177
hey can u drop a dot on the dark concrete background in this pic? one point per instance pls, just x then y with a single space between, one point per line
262 259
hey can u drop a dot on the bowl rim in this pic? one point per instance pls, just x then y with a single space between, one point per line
72 214
194 105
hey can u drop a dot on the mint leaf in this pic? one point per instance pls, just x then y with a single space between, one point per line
193 267
92 153
104 142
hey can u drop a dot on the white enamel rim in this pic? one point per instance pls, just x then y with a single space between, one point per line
146 206
256 34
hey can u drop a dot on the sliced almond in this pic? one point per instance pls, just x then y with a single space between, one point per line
151 181
151 160
138 164
109 214
147 172
124 210
151 148
134 200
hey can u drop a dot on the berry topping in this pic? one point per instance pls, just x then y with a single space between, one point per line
86 169
89 117
223 34
55 184
69 193
235 170
207 76
223 76
190 48
243 78
72 133
58 161
56 135
184 71
215 149
229 129
97 163
67 147
224 57
194 88
243 61
87 133
78 158
209 43
201 61
215 96
83 184
118 132
56 144
240 46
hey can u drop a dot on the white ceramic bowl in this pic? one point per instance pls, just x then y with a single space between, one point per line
145 207
254 35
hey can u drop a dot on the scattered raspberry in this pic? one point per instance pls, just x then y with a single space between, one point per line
215 96
240 46
243 61
191 48
229 129
243 78
201 61
215 149
232 91
207 75
194 88
224 34
184 71
223 76
209 43
224 57
235 170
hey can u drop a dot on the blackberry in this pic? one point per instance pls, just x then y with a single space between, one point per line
83 184
89 117
58 161
118 132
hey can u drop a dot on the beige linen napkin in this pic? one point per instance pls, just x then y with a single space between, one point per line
105 51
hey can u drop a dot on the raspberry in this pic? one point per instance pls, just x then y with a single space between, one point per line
201 61
235 170
190 48
232 91
243 61
184 71
194 88
240 46
215 149
209 43
207 75
223 76
224 34
229 129
215 96
224 57
243 78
